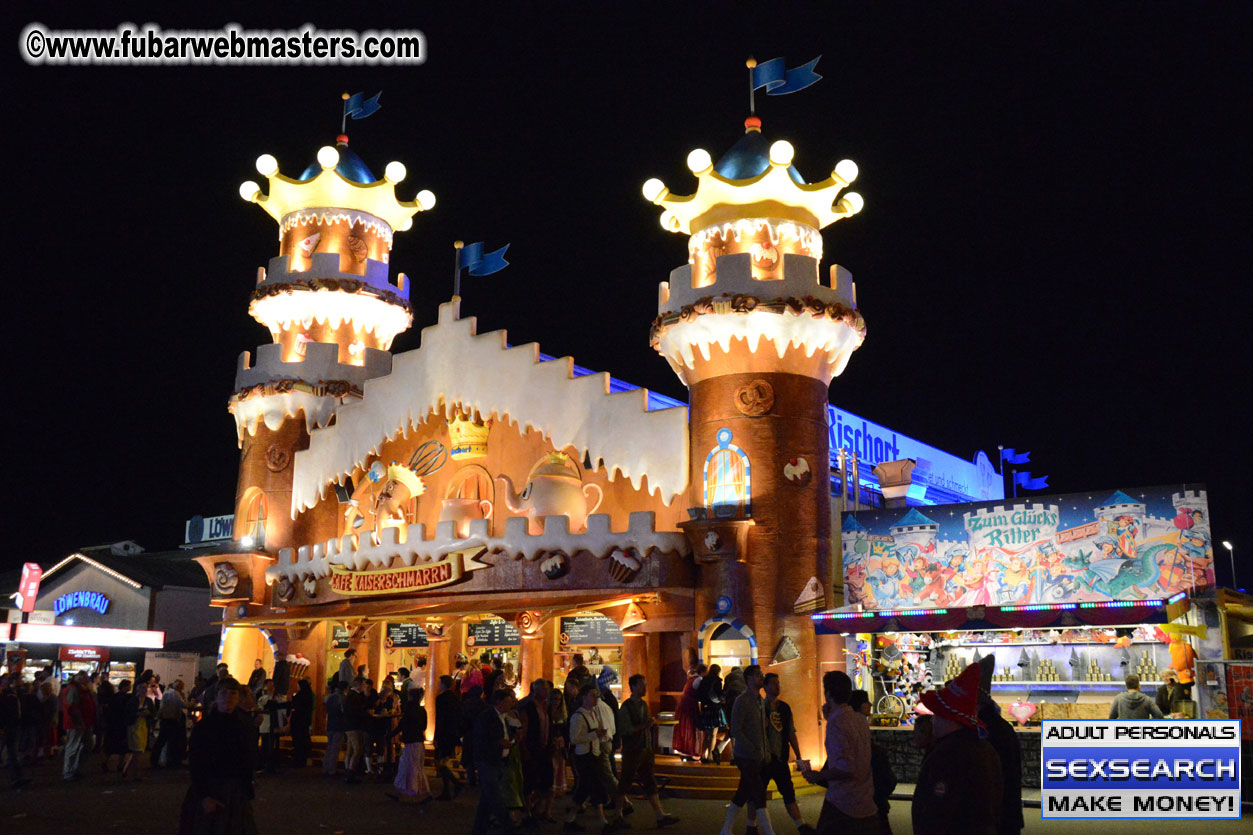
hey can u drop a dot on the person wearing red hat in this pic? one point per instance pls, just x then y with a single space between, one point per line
959 784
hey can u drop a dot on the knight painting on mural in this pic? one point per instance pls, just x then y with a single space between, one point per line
1140 544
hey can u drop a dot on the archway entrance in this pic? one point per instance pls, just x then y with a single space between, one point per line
728 643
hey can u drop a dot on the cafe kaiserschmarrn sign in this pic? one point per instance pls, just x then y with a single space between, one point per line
448 569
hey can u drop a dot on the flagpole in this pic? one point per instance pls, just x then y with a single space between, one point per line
456 265
751 63
343 118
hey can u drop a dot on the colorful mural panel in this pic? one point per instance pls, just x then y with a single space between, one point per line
1132 544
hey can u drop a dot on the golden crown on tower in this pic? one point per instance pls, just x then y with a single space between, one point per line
467 437
342 181
775 192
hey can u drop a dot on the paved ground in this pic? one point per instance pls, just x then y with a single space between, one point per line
309 803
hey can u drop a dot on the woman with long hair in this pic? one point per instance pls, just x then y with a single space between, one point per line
301 723
687 741
712 719
411 785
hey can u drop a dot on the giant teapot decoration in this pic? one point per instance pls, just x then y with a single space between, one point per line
554 488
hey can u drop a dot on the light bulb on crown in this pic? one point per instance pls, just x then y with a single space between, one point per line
267 165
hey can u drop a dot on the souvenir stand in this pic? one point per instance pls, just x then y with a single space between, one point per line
1053 661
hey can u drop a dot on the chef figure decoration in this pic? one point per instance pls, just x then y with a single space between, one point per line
381 499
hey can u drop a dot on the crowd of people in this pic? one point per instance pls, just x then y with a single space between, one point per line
523 754
47 720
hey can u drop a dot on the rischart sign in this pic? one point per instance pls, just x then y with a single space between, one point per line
100 654
450 568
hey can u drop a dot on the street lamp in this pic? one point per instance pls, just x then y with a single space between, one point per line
1231 552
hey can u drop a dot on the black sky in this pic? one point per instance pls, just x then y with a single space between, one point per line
1053 254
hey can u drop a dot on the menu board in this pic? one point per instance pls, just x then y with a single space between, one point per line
589 631
405 635
496 632
339 637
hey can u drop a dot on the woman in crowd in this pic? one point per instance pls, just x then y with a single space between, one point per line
559 724
301 723
411 783
268 726
687 741
386 707
105 695
115 725
138 708
713 720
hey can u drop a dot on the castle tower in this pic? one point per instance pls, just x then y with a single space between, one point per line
757 336
332 312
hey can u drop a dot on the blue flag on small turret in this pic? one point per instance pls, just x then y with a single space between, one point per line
779 80
1013 456
357 106
1025 481
480 263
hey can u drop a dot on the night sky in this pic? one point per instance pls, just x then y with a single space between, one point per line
1053 254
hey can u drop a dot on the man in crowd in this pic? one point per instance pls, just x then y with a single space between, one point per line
403 683
334 727
78 719
635 727
346 672
849 807
537 757
1170 693
1132 704
356 720
209 695
172 728
748 752
447 735
256 681
11 727
780 741
880 767
1001 736
959 784
492 742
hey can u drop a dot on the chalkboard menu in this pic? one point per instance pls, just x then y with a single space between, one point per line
339 637
405 635
589 631
496 632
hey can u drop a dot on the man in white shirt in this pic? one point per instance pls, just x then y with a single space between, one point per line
849 807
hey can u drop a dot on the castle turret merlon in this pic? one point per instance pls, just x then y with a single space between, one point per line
735 277
329 266
319 365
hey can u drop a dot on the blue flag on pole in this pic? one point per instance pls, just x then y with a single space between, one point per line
472 257
779 80
1013 456
358 106
1025 481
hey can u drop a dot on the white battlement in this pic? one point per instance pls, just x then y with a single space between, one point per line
326 265
319 364
412 547
734 276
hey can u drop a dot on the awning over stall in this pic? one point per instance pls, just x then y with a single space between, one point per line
1034 616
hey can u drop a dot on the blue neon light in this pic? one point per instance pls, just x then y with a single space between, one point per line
94 600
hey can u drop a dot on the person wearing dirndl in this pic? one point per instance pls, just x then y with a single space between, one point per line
411 784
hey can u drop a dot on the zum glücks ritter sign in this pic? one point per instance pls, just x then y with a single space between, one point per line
448 569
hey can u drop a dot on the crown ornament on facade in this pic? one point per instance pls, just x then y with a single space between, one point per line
774 193
468 437
329 188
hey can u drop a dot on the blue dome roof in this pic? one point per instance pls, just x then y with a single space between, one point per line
350 167
750 157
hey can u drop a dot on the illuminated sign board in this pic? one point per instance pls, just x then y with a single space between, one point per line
99 654
94 600
201 530
28 588
972 480
91 636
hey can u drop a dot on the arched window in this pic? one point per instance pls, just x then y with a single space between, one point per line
728 479
254 518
